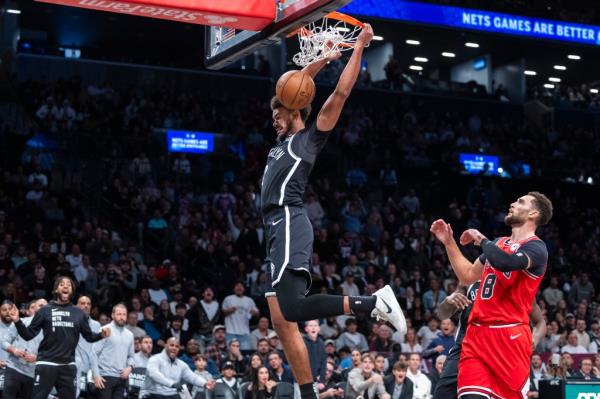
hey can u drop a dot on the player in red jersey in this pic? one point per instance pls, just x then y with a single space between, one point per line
494 362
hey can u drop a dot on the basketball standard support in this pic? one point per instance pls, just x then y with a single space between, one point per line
225 46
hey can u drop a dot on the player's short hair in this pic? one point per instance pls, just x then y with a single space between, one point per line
543 205
304 112
400 366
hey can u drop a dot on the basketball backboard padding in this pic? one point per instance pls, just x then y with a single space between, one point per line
291 15
240 14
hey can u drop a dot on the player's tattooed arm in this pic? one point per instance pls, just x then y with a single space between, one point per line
453 303
539 323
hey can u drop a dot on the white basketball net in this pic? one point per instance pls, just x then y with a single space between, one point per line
321 38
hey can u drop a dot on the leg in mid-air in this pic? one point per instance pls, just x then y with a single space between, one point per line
289 304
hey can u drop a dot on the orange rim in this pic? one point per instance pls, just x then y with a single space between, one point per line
332 15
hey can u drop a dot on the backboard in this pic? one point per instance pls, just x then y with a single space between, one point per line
224 46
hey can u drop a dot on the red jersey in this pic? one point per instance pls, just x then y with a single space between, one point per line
507 297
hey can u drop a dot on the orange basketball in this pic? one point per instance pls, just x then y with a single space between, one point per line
295 89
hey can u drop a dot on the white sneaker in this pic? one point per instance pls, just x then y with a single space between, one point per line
388 309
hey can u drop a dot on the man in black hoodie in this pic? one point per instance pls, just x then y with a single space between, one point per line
316 352
62 323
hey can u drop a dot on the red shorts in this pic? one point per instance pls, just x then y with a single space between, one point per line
495 362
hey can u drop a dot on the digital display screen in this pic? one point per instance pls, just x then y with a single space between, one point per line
479 163
479 20
190 142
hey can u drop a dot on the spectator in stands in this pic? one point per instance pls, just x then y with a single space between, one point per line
149 325
350 362
262 385
538 370
554 368
380 364
552 294
331 389
229 381
274 341
583 289
255 361
348 286
364 382
429 332
316 352
583 338
235 357
383 342
330 328
192 349
201 363
572 345
566 362
263 349
436 371
204 315
175 330
442 344
421 384
238 310
262 330
279 371
132 325
397 385
411 343
585 371
351 338
434 296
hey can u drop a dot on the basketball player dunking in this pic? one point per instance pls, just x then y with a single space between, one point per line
496 349
288 232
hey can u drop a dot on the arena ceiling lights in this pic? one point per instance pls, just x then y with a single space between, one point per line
472 45
530 73
448 54
574 57
560 67
413 42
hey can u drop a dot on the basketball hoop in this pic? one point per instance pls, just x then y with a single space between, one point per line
335 32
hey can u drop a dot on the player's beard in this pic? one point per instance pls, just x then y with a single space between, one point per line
513 220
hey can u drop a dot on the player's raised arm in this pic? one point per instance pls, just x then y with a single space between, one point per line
313 69
466 271
330 113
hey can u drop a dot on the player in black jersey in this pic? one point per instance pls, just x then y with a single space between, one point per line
61 322
462 300
289 233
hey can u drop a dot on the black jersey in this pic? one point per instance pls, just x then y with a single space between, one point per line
61 324
463 318
288 166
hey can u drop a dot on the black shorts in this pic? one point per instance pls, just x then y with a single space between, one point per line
446 387
289 237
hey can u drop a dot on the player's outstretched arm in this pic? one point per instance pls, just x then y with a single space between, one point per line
330 113
466 271
453 303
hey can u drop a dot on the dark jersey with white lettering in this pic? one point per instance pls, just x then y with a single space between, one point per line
288 166
463 317
61 324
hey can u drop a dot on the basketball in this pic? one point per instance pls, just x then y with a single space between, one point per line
295 89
